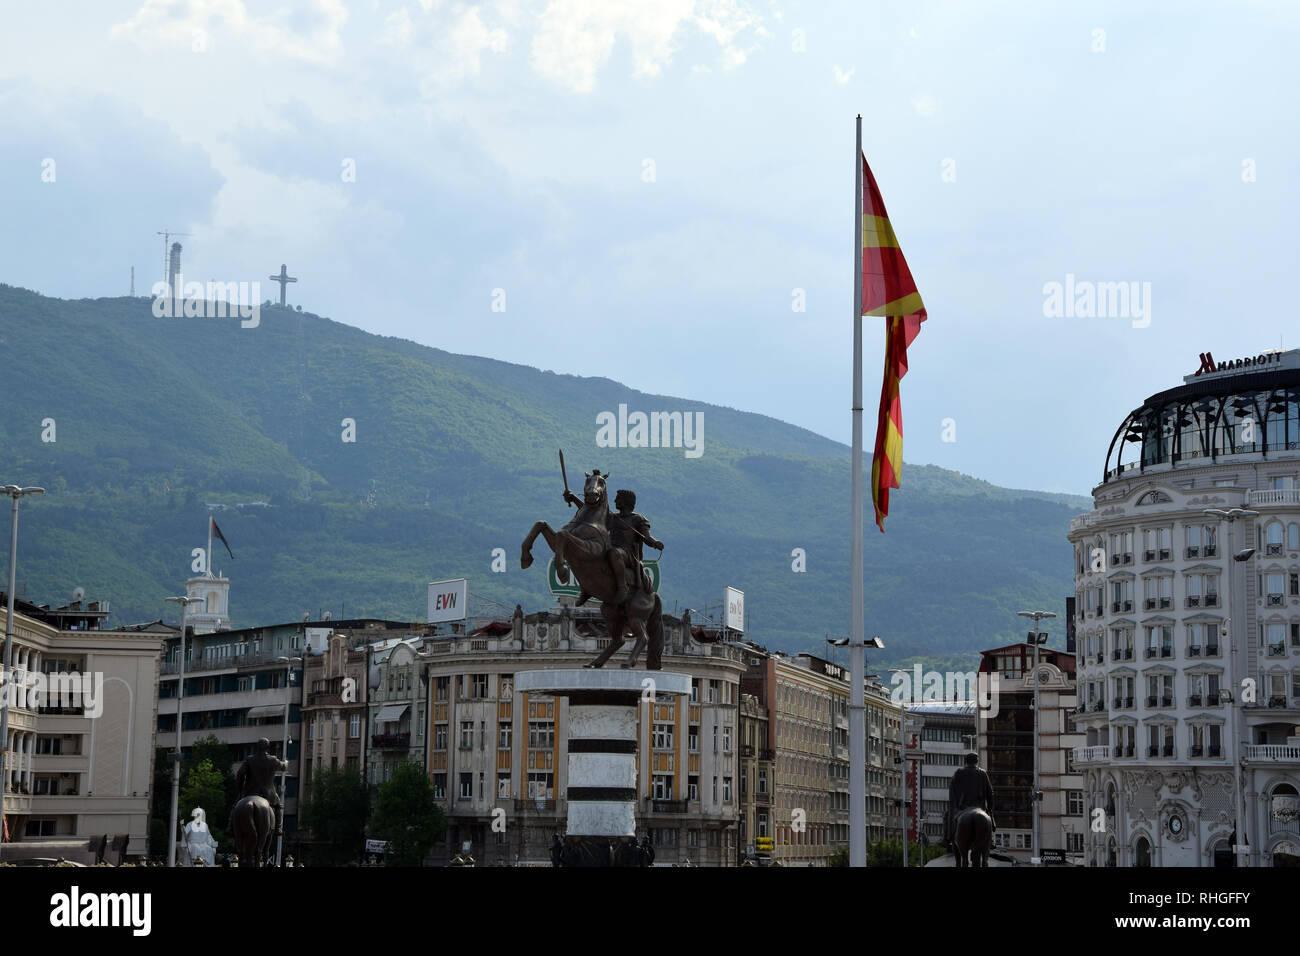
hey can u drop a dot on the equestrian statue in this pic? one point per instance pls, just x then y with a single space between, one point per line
604 552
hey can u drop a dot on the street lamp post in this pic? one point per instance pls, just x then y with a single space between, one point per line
903 727
184 601
857 744
1039 638
902 774
284 776
1231 515
6 692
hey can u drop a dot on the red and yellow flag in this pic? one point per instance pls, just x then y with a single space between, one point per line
887 290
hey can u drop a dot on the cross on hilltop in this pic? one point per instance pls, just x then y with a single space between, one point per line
283 278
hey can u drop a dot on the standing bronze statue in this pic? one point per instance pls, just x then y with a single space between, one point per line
604 551
258 815
969 819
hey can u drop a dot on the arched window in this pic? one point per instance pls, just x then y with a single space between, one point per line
1111 856
1142 854
1273 538
1284 804
1293 537
1286 853
1222 854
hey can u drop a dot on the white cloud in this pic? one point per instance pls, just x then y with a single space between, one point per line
397 28
925 105
575 38
843 76
445 46
310 33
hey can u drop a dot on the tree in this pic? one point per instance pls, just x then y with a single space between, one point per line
203 787
840 857
216 752
336 811
407 816
890 853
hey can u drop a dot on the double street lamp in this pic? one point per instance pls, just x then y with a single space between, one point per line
1038 638
184 602
6 689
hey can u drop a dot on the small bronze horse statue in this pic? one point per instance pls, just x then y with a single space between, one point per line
582 545
972 837
253 820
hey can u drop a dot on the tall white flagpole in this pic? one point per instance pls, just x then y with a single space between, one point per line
857 668
210 574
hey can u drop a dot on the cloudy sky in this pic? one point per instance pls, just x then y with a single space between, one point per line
670 179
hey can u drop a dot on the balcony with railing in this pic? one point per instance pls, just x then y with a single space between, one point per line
668 806
1095 754
1273 497
233 662
390 741
539 804
1272 753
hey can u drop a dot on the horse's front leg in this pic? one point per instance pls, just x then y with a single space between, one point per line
526 553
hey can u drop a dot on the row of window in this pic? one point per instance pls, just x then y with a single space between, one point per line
1025 841
476 687
1203 639
1203 690
1275 538
1203 740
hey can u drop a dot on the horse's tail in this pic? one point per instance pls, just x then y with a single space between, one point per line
654 625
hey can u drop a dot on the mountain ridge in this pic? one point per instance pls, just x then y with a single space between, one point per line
454 457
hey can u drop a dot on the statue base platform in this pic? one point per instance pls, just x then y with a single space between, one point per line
602 793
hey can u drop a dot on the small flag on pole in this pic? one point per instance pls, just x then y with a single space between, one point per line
888 291
221 537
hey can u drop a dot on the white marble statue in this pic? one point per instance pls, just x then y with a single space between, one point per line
199 846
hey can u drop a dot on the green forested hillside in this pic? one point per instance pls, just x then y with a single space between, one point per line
159 421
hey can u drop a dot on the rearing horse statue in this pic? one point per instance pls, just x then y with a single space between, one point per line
583 545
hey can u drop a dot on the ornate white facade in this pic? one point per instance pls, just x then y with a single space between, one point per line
1189 661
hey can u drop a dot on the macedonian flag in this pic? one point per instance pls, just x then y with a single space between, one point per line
888 291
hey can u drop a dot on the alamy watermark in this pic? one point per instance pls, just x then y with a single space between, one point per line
67 690
216 300
653 430
937 687
1084 299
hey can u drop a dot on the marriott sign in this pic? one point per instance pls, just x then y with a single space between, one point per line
1271 361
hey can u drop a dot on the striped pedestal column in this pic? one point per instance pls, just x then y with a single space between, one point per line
602 755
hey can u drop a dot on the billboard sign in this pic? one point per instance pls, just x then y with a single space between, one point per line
572 590
734 615
448 600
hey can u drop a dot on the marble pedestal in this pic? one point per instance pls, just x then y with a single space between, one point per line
602 746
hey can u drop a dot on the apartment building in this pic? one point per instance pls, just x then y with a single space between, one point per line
79 769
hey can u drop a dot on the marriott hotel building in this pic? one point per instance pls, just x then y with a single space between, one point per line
1188 625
